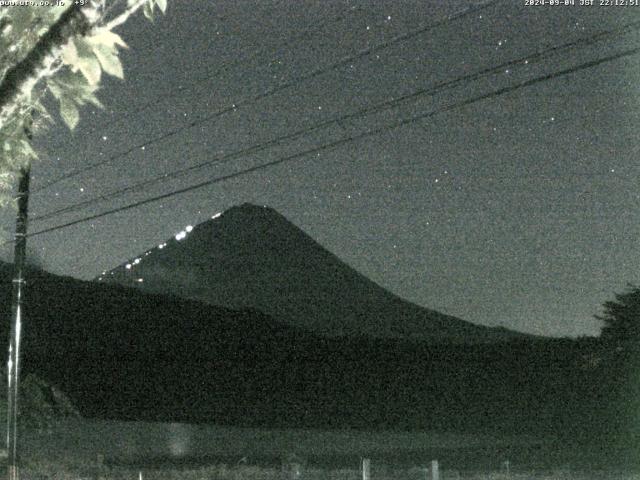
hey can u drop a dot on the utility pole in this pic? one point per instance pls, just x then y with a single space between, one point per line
16 322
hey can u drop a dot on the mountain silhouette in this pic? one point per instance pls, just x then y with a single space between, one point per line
125 354
120 353
251 257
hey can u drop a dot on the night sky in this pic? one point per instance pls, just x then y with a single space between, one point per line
520 210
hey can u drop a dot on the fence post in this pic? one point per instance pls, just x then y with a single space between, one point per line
435 472
366 469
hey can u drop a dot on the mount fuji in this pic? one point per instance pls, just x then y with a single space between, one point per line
252 257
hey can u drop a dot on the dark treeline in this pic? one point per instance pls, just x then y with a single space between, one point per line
122 354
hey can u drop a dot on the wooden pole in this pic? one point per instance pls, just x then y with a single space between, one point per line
366 469
13 370
435 471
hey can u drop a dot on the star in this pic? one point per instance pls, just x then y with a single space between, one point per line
255 59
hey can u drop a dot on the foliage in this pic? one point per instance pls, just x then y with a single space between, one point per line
622 316
40 404
21 28
71 72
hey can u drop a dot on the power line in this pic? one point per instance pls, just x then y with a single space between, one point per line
338 143
437 88
254 55
234 63
279 88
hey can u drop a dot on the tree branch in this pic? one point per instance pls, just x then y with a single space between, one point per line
19 80
120 19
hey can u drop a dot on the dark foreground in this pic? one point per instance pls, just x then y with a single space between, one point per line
102 449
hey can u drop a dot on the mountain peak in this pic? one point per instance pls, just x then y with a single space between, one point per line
251 212
252 257
250 208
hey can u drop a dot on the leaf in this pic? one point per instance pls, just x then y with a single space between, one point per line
40 108
88 63
91 98
67 80
21 19
27 150
104 36
162 5
69 113
90 68
55 88
70 54
109 60
148 9
7 200
6 180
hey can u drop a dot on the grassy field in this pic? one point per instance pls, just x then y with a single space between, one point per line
70 471
145 443
85 449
